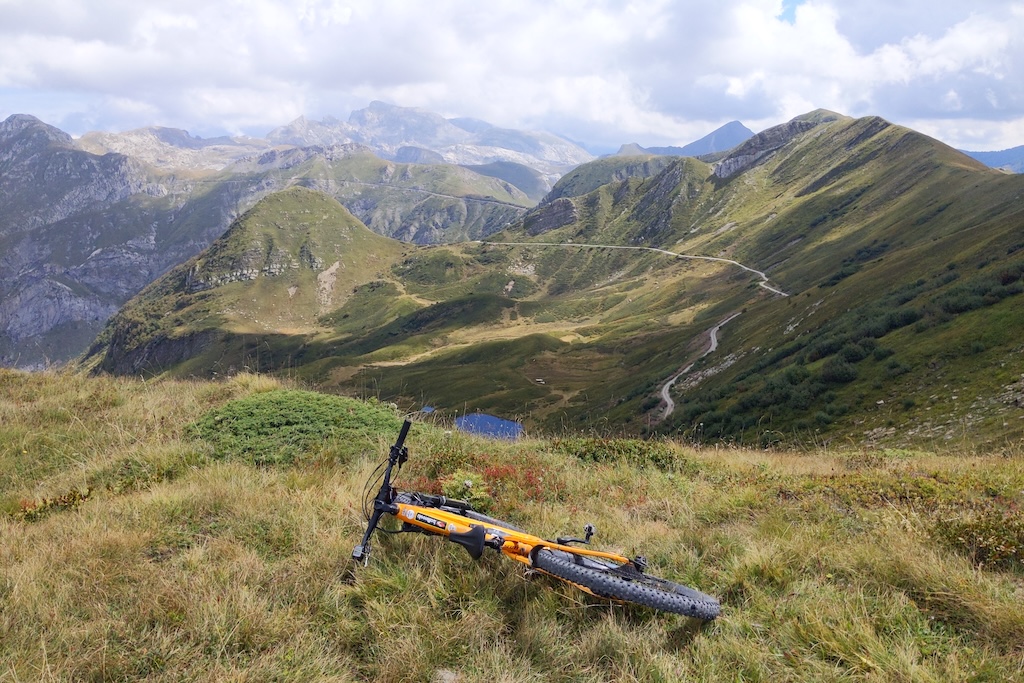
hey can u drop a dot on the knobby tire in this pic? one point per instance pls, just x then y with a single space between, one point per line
641 589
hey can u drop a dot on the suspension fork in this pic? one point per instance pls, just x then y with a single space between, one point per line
384 500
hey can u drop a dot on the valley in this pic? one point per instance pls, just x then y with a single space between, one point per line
115 211
862 296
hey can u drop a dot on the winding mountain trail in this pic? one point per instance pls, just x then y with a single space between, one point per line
764 278
670 405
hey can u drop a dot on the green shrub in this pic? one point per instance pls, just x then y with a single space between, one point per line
278 427
881 353
989 534
838 371
631 451
853 353
468 486
895 368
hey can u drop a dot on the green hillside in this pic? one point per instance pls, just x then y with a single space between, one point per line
295 256
183 530
904 265
588 177
529 180
422 203
892 314
417 324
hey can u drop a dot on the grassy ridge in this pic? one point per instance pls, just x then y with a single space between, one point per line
903 260
132 546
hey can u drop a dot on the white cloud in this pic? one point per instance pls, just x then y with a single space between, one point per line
952 102
653 71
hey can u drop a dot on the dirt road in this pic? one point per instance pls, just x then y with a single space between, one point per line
764 278
670 405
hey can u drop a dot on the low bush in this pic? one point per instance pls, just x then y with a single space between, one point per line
279 427
33 511
989 534
468 486
658 453
837 371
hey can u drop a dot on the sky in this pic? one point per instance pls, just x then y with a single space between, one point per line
604 73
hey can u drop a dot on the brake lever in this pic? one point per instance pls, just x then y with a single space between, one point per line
588 531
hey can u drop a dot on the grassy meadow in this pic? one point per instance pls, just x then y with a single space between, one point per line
191 530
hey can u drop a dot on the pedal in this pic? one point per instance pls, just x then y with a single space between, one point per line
361 553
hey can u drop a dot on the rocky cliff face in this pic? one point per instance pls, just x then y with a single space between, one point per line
762 145
551 216
80 234
171 148
46 179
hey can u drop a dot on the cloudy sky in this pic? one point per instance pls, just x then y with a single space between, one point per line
601 72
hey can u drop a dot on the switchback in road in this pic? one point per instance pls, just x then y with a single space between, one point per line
670 405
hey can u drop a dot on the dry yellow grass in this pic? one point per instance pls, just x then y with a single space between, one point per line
178 566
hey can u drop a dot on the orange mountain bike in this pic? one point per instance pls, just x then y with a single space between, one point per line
602 574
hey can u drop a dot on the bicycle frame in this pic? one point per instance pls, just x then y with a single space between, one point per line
513 543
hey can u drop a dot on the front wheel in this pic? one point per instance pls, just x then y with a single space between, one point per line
626 584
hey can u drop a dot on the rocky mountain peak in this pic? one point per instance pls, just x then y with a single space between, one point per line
18 125
719 140
303 132
388 125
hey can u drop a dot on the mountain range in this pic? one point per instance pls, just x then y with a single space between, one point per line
719 140
1009 160
393 133
861 282
86 223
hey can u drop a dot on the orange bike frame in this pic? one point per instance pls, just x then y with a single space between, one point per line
516 544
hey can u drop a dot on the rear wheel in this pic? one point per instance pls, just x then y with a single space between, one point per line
625 583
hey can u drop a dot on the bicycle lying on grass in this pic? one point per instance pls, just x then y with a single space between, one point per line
601 574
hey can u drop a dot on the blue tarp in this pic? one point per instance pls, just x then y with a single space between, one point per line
489 425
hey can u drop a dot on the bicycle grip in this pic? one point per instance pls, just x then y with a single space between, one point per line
402 434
